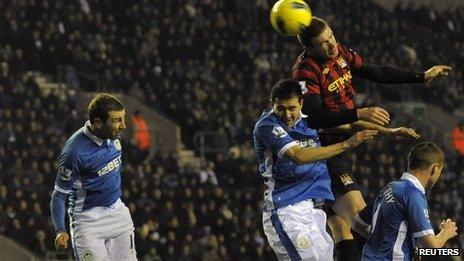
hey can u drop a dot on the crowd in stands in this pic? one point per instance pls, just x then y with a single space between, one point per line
209 65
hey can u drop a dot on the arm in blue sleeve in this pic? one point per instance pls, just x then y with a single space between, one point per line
57 208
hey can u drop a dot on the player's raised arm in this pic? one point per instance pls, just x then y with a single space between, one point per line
308 155
389 74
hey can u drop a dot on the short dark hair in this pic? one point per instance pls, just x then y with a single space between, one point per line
286 89
423 155
312 31
101 105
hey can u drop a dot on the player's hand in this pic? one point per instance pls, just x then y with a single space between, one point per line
407 132
375 115
360 137
436 71
448 228
61 241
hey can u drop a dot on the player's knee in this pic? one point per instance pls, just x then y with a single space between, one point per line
349 205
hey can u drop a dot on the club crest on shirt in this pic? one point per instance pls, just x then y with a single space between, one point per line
117 144
326 70
346 179
342 62
87 255
302 242
279 132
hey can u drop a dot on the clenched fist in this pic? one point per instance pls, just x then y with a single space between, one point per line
61 241
448 228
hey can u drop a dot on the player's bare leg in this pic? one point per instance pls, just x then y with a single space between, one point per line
346 207
340 229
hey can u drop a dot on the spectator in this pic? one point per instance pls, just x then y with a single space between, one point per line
208 175
141 135
457 137
184 61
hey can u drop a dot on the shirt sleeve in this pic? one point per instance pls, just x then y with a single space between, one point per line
418 214
68 171
57 209
387 74
308 80
275 137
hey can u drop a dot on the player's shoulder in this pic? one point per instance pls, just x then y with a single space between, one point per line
267 118
345 50
306 63
75 145
408 190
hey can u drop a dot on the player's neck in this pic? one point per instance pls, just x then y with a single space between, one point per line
421 175
95 132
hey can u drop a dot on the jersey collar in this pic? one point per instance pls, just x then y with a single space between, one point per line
413 180
91 135
302 116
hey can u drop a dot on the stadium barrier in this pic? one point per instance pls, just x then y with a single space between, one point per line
11 251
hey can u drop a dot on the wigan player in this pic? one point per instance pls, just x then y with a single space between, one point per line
89 175
325 70
401 217
291 161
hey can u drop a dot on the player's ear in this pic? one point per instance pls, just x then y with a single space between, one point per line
98 123
435 169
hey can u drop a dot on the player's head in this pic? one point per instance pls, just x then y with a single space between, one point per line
106 114
428 158
319 40
287 100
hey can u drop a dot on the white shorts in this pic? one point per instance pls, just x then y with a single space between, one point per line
298 232
103 233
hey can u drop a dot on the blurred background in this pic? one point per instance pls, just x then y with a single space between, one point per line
194 76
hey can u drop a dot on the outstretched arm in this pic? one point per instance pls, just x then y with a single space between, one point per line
400 131
388 74
307 155
360 125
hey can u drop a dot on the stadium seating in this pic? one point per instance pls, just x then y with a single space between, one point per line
208 65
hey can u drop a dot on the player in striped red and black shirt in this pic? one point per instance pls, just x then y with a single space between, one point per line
325 70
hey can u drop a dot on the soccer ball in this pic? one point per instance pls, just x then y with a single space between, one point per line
289 17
